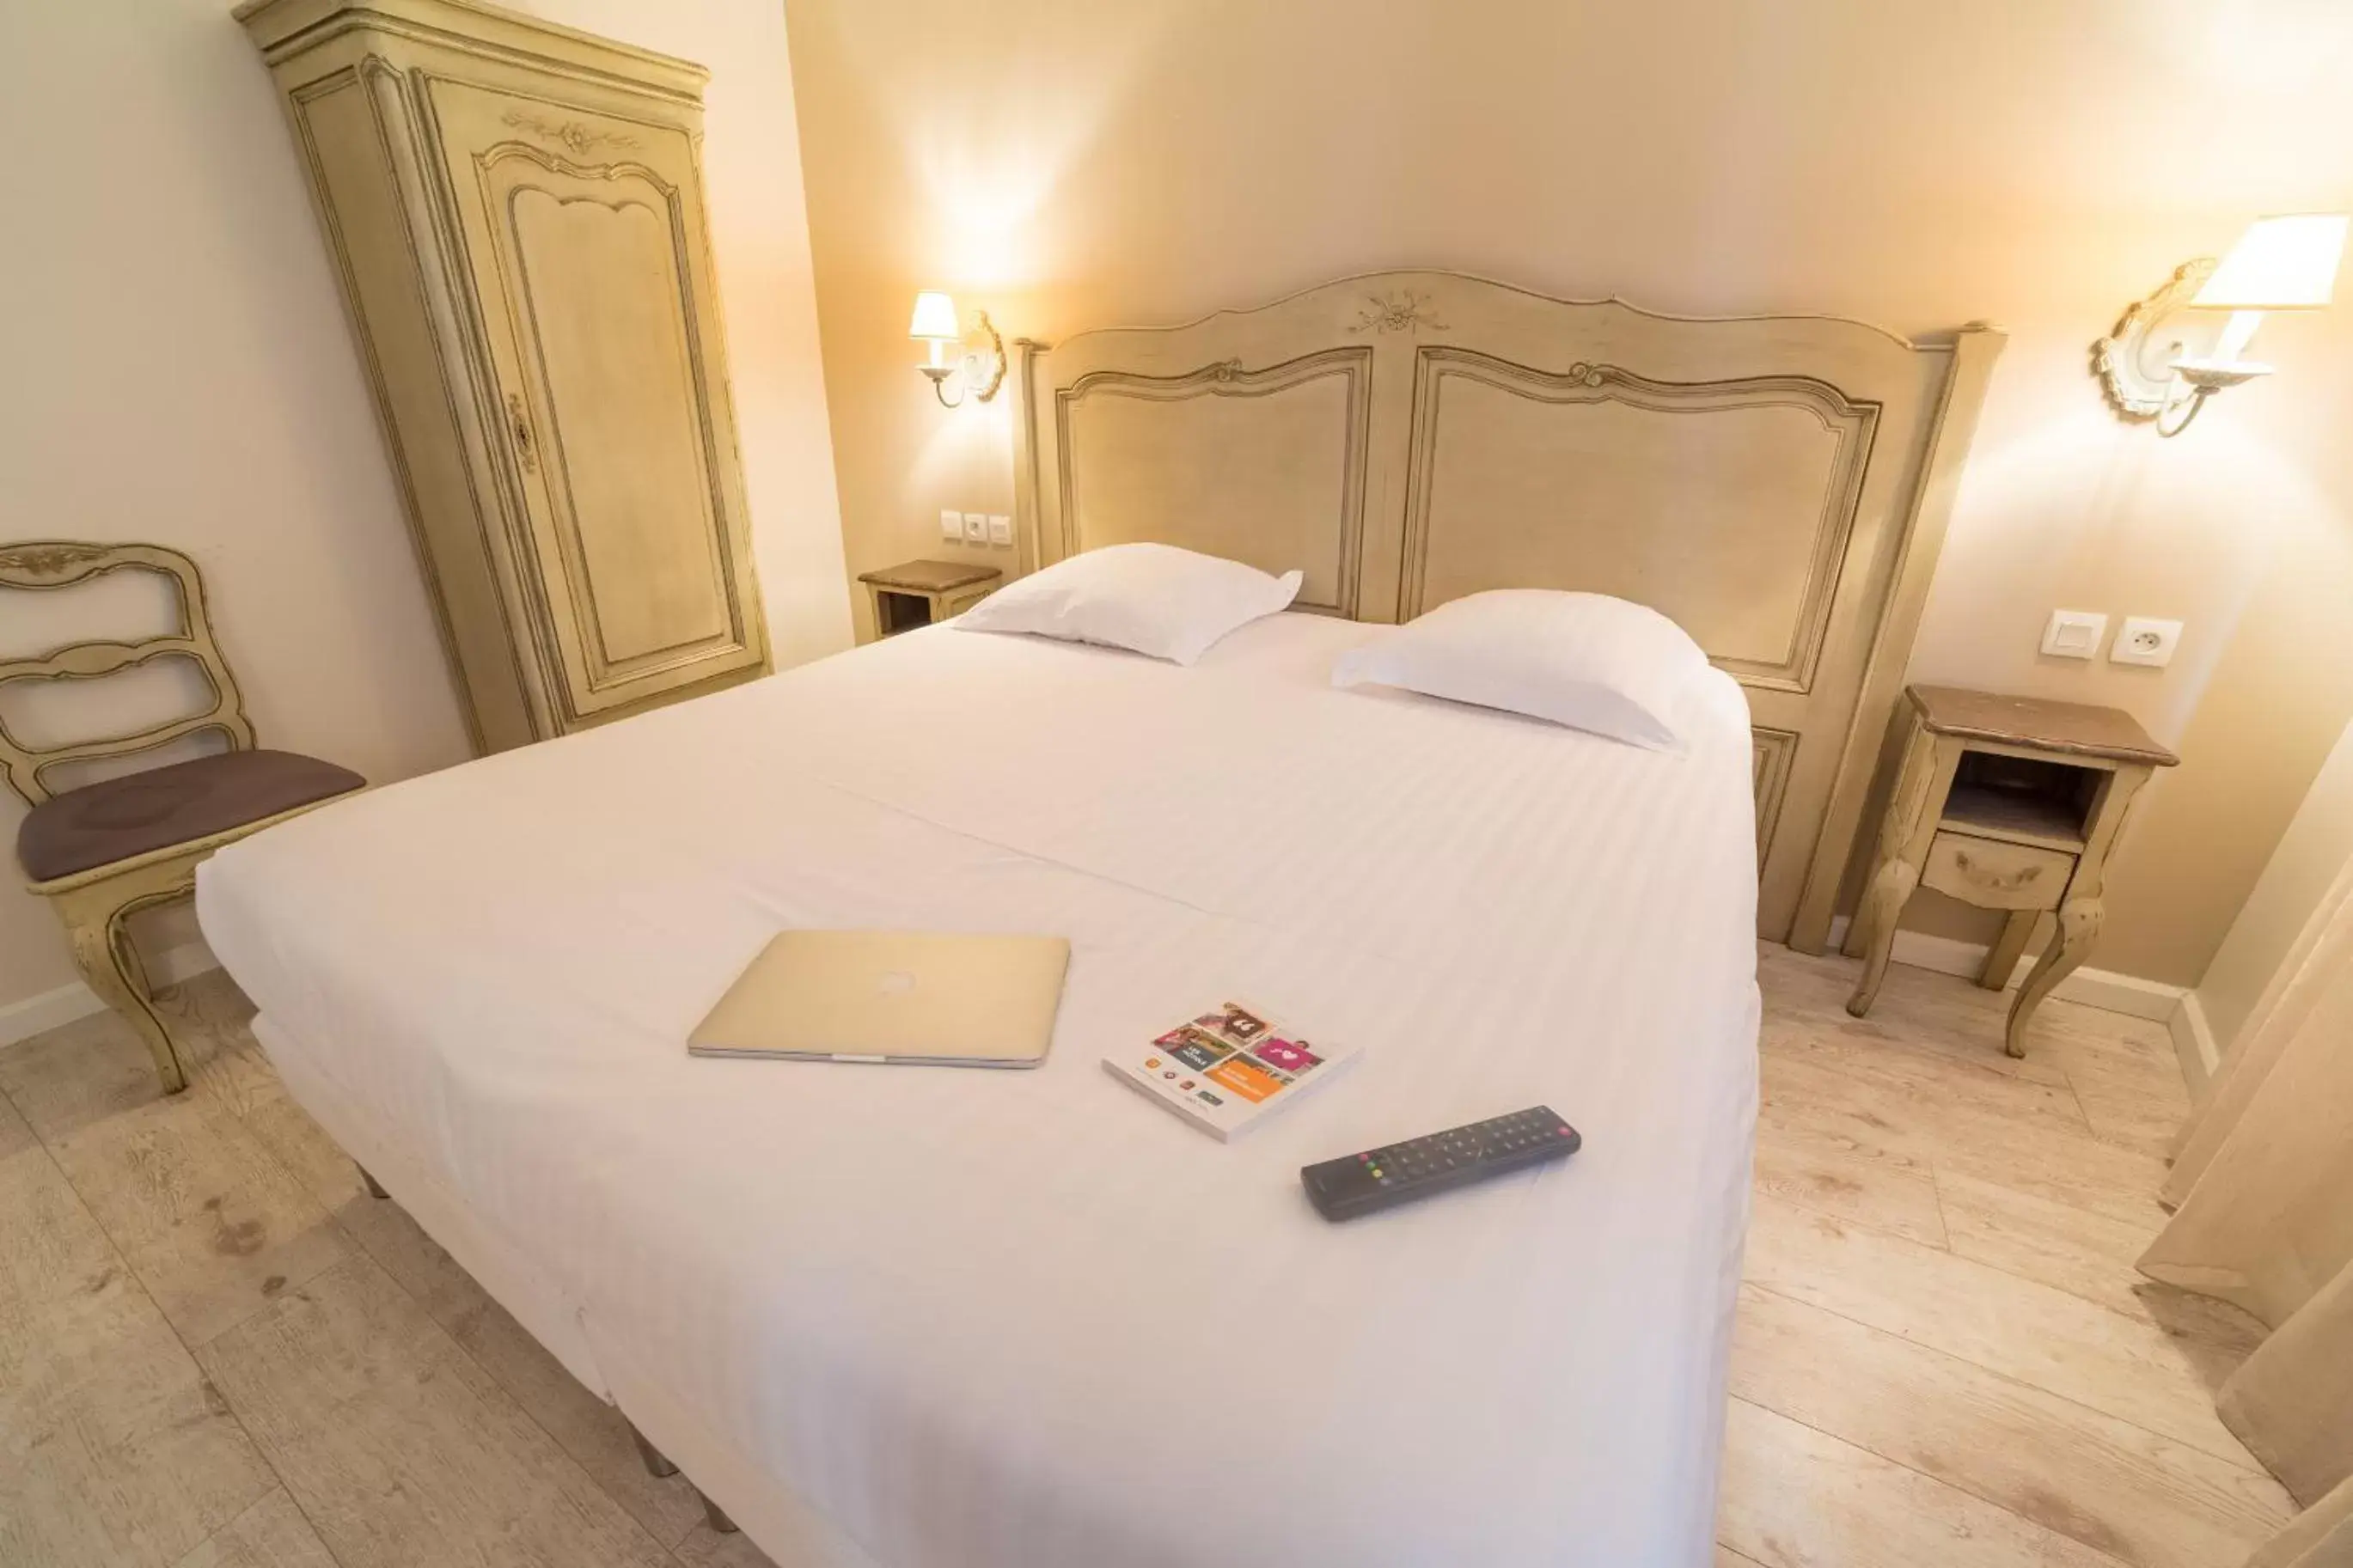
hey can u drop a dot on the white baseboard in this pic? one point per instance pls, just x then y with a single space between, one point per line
35 1015
2102 988
2193 1041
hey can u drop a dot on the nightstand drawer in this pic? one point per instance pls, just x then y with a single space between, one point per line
1993 875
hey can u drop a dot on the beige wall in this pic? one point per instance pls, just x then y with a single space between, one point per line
1918 163
179 369
2312 854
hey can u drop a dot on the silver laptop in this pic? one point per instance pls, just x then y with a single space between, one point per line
932 998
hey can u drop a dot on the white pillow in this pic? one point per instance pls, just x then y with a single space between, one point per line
1586 660
1154 598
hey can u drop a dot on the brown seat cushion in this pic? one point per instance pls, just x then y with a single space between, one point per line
117 818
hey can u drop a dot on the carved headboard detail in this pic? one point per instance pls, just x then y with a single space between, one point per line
1780 485
1265 499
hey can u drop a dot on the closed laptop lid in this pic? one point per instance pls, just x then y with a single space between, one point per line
912 996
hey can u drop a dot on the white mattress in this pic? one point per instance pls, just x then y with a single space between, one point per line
1008 1318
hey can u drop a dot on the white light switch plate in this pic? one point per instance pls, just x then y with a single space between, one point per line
2074 633
950 525
1000 528
975 528
2146 640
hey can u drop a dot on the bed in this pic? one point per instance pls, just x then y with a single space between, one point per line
914 1317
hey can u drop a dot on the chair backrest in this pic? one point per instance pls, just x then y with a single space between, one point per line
61 563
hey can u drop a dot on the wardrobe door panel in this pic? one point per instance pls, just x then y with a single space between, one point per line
601 299
582 235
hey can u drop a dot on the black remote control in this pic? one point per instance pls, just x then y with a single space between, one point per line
1382 1178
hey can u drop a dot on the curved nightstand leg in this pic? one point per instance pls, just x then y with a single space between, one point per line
2001 963
1883 902
2079 927
1859 931
1921 782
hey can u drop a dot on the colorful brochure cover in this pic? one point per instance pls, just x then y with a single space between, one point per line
1228 1070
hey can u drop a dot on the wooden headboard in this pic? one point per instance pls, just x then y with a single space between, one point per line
1780 485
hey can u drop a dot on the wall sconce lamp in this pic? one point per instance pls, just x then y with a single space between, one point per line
978 368
2279 264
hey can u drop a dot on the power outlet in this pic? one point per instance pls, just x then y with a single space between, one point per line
975 528
950 525
2146 640
1000 529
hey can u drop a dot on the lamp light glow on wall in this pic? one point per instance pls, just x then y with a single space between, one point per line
2286 263
978 366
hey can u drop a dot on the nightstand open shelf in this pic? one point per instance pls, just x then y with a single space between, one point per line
2041 801
2016 819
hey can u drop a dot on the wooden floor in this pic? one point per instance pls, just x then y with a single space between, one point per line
215 1350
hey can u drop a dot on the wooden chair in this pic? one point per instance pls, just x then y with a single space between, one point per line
104 851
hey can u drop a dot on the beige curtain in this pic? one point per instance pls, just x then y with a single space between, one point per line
2263 1189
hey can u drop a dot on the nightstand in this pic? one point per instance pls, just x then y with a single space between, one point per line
2006 803
918 593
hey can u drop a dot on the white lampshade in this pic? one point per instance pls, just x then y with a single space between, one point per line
2279 264
936 317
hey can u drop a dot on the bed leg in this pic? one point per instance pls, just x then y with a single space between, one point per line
374 1187
657 1465
720 1523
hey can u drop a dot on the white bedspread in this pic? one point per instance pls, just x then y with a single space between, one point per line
1027 1319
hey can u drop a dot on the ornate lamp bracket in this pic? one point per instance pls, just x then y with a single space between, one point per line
978 367
2135 362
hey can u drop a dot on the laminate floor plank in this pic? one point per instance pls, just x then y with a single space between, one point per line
1815 1174
212 1224
2146 1044
2037 1237
2022 1329
78 1075
2092 1256
398 1447
2125 1102
272 1533
16 1136
2121 1072
1916 1010
2080 1172
1809 1100
115 1451
1822 1117
1797 1498
1943 1077
2142 1499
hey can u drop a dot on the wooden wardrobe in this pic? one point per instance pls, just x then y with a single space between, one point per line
515 212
